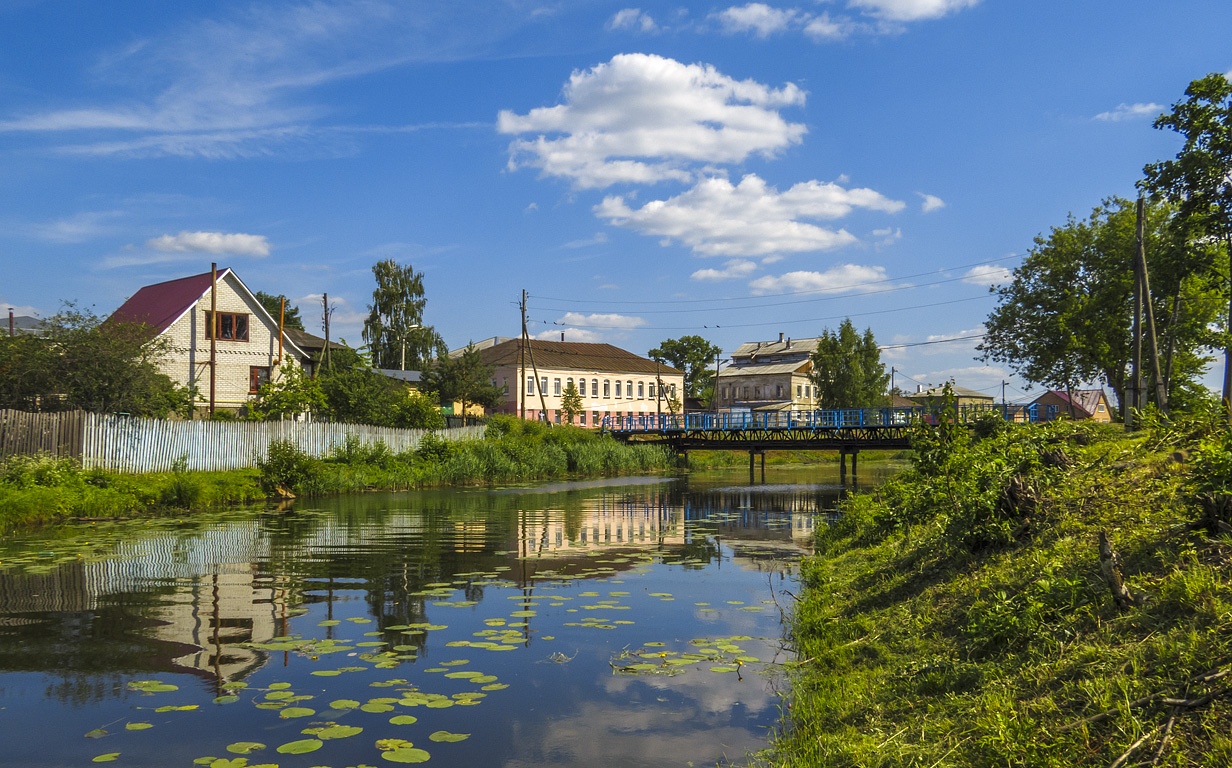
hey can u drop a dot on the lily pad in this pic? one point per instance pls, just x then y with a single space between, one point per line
152 686
447 737
97 733
244 747
290 712
138 726
406 755
344 704
110 757
339 732
301 747
403 720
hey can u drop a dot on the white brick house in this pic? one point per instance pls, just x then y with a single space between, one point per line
247 348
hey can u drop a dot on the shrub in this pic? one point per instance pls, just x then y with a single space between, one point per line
286 467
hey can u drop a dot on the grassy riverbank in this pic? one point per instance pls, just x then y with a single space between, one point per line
37 490
960 616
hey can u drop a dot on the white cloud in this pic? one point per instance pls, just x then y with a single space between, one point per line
77 228
599 239
602 320
1130 112
758 18
634 19
239 84
910 10
930 203
715 218
987 275
211 242
888 236
985 378
735 268
822 27
845 278
582 335
641 118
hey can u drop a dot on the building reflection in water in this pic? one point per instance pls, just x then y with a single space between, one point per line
191 600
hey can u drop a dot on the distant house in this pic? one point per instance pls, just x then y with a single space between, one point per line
611 381
245 334
935 396
26 325
769 375
312 347
1090 404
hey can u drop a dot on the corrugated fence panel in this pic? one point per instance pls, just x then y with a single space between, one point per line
127 444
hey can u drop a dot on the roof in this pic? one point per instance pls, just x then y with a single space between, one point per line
28 324
958 391
161 304
411 377
763 369
309 342
1085 400
782 346
483 344
574 355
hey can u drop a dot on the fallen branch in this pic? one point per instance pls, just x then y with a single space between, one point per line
1110 565
1132 749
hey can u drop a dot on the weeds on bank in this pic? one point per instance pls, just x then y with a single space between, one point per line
959 616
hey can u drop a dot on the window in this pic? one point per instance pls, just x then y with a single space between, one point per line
746 393
650 391
799 391
582 418
543 387
778 390
757 392
231 326
595 414
629 389
530 385
505 384
673 390
556 387
557 415
569 384
257 375
594 387
607 388
641 391
618 390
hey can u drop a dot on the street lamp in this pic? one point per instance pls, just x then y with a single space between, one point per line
404 332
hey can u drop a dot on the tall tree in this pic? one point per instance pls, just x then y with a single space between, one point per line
394 330
847 369
1199 180
1065 317
693 355
273 304
464 379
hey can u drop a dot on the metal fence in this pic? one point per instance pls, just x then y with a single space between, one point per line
129 444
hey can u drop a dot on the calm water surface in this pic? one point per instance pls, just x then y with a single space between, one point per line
632 622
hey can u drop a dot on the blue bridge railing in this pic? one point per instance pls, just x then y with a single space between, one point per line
832 418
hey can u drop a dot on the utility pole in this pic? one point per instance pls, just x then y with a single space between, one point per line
543 402
326 358
1161 393
213 331
522 358
1134 390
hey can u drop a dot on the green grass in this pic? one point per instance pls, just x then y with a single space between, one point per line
946 622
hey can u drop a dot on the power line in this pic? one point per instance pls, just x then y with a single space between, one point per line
934 341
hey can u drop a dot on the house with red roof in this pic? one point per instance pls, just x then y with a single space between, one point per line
1086 404
245 337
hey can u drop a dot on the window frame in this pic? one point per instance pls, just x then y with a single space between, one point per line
255 379
213 325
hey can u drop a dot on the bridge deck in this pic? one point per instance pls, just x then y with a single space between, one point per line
843 429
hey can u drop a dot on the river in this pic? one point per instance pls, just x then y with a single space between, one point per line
621 622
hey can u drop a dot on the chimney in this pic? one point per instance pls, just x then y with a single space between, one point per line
780 337
919 389
562 335
789 342
12 329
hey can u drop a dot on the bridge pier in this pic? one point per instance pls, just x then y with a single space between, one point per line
842 464
752 476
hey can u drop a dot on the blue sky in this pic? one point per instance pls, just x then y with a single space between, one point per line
644 172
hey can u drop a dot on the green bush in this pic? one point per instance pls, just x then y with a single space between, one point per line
285 466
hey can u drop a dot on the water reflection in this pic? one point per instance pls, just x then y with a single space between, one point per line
567 576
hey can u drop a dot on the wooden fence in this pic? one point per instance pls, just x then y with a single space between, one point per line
58 434
128 444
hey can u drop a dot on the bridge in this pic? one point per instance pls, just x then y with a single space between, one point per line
847 430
